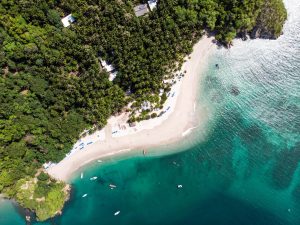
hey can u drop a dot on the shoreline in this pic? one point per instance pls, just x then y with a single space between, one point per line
174 126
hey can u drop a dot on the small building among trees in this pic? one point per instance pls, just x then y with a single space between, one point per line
66 21
141 10
152 4
109 68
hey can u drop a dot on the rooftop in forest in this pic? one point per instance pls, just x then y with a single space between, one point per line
152 4
141 10
66 21
109 68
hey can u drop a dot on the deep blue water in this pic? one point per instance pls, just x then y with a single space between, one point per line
245 172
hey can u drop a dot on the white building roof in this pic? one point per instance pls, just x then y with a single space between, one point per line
152 4
140 10
106 66
112 76
66 21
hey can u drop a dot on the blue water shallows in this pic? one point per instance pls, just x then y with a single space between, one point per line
245 172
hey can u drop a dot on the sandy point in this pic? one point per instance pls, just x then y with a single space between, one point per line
172 128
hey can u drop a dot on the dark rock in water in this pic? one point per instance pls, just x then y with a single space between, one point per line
259 32
245 38
235 90
255 33
27 214
243 35
270 20
28 219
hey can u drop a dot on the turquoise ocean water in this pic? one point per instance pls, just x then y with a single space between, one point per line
245 172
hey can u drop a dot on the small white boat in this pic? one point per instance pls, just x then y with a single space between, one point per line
93 178
117 213
112 186
81 175
179 186
99 160
84 195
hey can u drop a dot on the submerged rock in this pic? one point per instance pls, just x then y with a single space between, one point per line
255 33
235 90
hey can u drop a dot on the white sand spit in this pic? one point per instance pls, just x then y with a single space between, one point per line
169 128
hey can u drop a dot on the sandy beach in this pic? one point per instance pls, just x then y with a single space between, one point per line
180 119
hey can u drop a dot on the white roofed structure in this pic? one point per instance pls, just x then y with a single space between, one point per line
152 4
112 75
109 68
66 21
106 66
141 10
